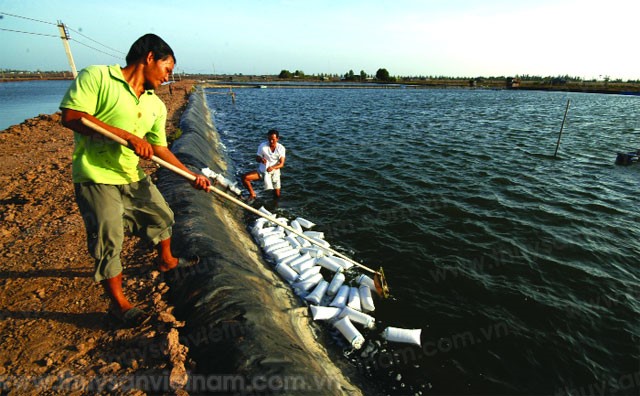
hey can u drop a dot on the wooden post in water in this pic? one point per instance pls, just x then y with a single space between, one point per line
562 126
233 96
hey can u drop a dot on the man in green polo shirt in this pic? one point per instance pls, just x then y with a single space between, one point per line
112 191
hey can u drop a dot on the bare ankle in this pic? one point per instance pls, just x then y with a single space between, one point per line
166 264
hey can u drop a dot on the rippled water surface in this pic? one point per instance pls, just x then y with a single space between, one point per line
521 269
26 99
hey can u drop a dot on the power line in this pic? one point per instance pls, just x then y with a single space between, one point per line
52 35
95 49
90 39
31 19
38 34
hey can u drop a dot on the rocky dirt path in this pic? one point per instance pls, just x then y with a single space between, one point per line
55 336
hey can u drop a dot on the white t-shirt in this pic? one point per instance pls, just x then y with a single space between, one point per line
273 157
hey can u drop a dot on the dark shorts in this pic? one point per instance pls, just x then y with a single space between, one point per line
108 209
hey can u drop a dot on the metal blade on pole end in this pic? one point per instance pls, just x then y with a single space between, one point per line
381 284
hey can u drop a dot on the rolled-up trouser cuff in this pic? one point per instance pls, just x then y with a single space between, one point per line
107 209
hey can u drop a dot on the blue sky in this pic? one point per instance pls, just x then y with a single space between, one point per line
463 38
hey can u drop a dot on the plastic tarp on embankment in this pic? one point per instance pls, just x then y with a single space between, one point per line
242 321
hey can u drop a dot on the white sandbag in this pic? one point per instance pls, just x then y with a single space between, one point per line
282 220
328 263
305 223
258 225
271 240
301 266
344 263
235 189
408 336
286 272
303 257
260 222
280 254
222 181
354 299
365 299
307 284
255 230
266 231
303 241
314 234
340 300
289 259
365 280
320 242
324 313
278 226
269 250
269 235
336 282
364 319
280 245
314 251
228 184
293 241
266 212
350 332
318 292
296 226
309 272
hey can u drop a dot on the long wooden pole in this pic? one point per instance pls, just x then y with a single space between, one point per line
223 194
562 126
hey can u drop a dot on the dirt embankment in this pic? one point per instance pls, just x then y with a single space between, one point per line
56 337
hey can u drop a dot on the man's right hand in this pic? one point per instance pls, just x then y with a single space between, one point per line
72 120
141 147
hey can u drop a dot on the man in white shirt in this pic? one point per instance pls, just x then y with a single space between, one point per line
270 157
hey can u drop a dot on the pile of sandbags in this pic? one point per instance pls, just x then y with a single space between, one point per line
335 294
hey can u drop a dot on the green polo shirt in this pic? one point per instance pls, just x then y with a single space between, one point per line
103 92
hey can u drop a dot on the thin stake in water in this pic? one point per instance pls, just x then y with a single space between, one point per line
562 126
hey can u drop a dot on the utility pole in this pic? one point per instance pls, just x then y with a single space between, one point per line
64 35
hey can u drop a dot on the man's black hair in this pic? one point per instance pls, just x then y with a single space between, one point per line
273 132
149 43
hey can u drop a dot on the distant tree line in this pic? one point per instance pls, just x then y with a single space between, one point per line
381 75
287 74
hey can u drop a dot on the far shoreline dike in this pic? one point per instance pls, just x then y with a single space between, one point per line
246 81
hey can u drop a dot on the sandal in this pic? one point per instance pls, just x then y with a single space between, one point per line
130 318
